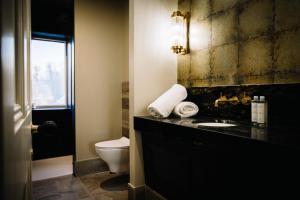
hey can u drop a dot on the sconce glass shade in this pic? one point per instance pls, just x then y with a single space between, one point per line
179 31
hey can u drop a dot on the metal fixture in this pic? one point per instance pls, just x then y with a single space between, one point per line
180 39
245 100
34 128
221 100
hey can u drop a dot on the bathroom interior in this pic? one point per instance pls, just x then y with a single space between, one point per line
150 99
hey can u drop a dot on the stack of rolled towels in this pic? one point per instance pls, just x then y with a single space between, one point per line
172 101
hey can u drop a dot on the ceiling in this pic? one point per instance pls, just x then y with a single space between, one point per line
53 16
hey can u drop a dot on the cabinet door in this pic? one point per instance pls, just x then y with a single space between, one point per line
167 159
203 168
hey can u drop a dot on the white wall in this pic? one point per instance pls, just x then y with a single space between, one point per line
152 66
100 56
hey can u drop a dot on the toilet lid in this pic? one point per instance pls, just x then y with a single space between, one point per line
123 142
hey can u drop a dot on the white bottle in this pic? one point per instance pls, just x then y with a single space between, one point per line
262 112
254 103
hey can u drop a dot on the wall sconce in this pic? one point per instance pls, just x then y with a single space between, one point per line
180 40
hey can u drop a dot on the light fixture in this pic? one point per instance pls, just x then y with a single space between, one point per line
180 31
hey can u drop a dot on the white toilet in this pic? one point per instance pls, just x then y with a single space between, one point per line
115 153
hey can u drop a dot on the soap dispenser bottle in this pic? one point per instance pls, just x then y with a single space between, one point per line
262 112
254 113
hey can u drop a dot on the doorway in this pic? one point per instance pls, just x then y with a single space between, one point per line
52 75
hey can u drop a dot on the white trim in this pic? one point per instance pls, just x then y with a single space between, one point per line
134 187
28 108
18 125
50 107
17 108
19 118
22 107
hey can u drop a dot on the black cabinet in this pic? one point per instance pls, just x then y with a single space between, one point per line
182 163
167 161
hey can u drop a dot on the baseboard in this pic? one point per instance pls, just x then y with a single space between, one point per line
136 193
90 166
151 194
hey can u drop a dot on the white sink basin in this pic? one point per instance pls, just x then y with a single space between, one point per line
215 124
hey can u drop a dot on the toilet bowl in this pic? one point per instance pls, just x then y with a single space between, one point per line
115 153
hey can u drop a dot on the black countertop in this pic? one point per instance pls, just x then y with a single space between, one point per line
280 134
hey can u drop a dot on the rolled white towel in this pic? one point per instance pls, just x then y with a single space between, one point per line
162 107
186 109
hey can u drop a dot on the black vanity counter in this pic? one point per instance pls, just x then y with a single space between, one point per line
185 161
283 135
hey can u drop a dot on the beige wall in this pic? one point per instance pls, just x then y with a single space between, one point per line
100 59
125 69
152 66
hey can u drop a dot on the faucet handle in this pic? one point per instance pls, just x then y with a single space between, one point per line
234 100
246 100
222 97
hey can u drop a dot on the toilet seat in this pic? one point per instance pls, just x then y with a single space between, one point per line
121 143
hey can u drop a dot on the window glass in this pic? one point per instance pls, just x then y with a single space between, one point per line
49 73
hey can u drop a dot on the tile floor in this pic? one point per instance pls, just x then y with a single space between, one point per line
52 167
100 186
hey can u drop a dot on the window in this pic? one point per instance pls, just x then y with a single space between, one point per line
49 73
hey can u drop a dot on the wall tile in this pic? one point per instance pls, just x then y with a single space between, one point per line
224 28
287 14
220 5
184 5
183 69
256 18
200 34
222 80
200 9
287 49
290 77
256 79
200 67
224 64
200 83
243 1
125 102
125 88
255 57
185 83
125 117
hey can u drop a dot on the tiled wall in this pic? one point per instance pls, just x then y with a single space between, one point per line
125 109
236 42
283 102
